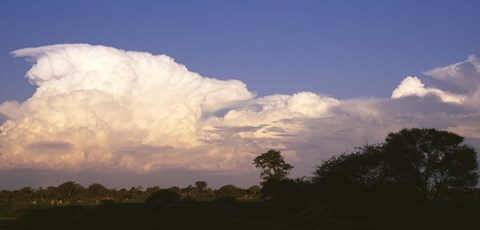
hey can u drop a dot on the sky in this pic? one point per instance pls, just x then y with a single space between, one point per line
129 93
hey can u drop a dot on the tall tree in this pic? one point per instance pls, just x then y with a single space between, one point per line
273 165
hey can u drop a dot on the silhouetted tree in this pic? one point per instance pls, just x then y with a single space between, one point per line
430 160
274 171
410 166
347 183
273 166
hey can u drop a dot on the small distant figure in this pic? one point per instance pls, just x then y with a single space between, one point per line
34 203
56 202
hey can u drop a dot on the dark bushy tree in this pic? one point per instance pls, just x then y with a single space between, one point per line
430 160
410 166
340 182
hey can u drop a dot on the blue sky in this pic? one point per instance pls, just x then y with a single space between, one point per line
341 48
337 62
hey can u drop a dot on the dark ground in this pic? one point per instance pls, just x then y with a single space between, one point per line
255 215
209 215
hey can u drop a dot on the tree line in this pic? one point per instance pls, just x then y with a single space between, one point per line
74 193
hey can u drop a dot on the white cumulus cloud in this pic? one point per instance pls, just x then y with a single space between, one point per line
101 100
413 86
102 108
